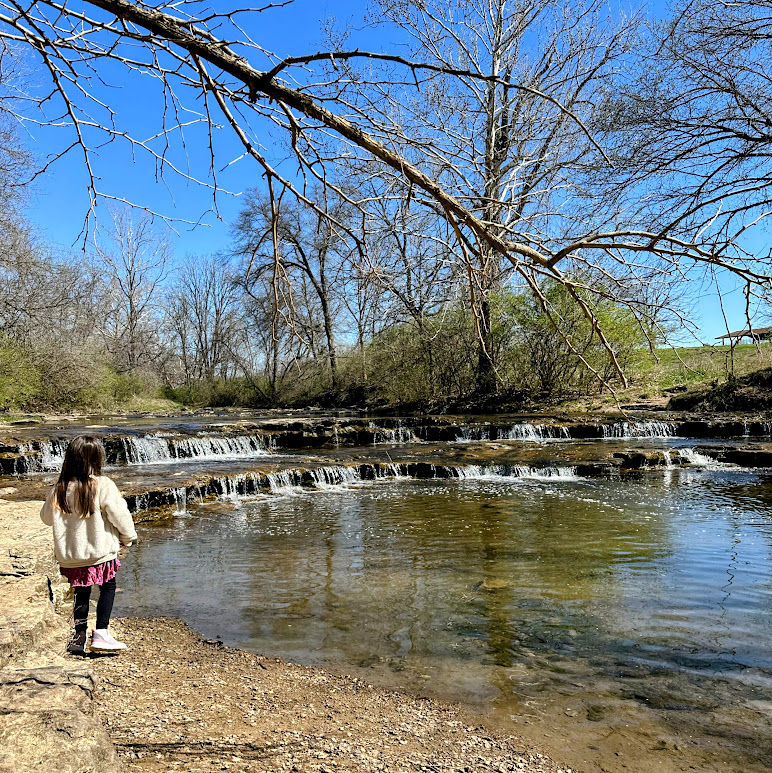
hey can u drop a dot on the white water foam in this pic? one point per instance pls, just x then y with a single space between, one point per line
42 455
516 472
335 477
696 459
525 431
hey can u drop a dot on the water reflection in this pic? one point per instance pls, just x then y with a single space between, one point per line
650 593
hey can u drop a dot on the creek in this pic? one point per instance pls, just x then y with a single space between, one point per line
621 622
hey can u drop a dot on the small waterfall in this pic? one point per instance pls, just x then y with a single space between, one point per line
290 482
390 471
668 460
638 429
145 450
534 432
284 482
498 471
392 435
690 456
331 477
180 500
524 431
40 456
153 449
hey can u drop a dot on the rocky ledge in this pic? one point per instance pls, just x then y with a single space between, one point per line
47 719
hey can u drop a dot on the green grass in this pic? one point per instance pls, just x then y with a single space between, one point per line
691 366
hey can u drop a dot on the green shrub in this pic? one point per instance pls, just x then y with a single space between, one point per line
19 379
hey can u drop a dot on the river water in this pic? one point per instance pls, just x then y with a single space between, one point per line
623 624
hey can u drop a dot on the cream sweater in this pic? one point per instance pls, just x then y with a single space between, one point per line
80 541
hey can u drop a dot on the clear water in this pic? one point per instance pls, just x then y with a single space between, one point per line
652 595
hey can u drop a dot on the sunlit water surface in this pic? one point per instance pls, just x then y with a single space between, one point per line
653 592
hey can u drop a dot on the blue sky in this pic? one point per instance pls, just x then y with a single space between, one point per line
60 203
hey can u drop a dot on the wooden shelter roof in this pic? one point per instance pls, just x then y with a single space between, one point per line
756 332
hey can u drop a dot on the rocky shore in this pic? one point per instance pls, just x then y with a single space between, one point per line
47 719
175 701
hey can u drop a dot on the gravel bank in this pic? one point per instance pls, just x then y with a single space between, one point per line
173 701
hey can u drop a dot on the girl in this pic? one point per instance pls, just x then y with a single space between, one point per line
91 521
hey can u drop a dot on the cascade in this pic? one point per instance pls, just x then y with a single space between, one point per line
534 432
392 435
491 472
329 477
151 449
524 431
690 456
283 482
180 500
40 456
638 429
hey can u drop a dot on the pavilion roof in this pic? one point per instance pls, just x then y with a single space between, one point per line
756 332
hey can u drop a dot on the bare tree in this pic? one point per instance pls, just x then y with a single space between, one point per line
290 239
202 311
134 258
690 135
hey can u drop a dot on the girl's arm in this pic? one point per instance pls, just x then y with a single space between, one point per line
47 511
114 507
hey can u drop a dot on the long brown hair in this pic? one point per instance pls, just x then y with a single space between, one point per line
82 459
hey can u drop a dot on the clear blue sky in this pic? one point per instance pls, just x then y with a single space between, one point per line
60 204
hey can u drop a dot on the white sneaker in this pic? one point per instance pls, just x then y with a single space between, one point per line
102 641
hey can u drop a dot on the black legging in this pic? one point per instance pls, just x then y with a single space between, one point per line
104 605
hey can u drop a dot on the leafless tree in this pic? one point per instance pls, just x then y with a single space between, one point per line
133 255
210 70
203 314
288 239
690 135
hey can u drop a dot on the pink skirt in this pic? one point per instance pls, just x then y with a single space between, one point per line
81 576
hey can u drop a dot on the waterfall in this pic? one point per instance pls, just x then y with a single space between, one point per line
499 471
638 429
180 500
291 482
524 431
40 456
145 450
690 456
332 477
392 435
153 449
534 432
284 482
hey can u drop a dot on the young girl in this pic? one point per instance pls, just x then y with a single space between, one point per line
91 521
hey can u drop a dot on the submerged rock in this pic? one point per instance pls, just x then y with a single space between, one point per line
493 583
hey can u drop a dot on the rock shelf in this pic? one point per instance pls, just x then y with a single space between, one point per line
40 449
46 712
